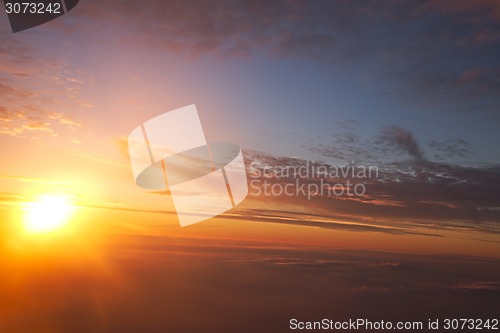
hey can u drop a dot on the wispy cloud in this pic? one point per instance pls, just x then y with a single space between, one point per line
30 91
391 144
451 149
209 278
407 194
19 122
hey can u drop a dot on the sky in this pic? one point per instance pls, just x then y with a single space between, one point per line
408 87
278 76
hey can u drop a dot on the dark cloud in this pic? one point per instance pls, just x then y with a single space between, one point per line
402 139
448 60
485 10
405 195
439 53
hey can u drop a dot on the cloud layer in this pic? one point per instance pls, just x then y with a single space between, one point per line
400 198
35 91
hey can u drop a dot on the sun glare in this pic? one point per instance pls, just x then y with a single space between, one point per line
48 212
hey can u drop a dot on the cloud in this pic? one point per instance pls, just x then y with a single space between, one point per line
405 195
327 221
19 122
11 94
403 140
489 9
25 112
319 29
442 53
133 283
470 75
449 149
348 144
489 287
393 143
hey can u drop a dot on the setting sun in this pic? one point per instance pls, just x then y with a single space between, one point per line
48 212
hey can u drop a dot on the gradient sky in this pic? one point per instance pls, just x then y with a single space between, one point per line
360 82
411 87
274 77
